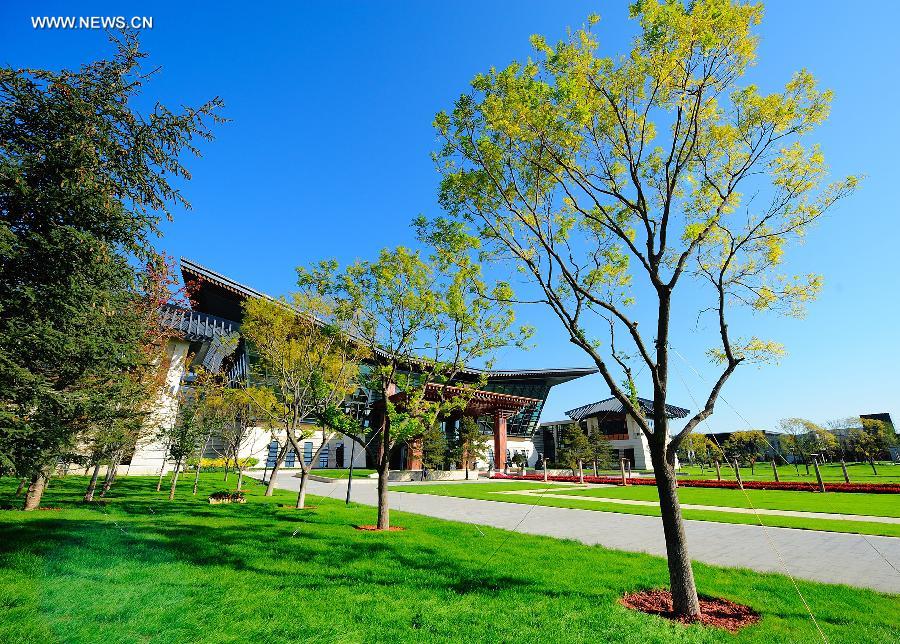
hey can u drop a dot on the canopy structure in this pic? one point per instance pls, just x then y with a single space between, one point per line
480 403
613 406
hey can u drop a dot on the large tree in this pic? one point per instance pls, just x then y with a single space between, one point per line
306 366
84 180
575 449
421 322
746 446
610 181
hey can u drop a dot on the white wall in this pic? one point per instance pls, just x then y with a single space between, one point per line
150 452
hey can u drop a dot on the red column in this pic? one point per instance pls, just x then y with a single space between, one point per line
499 441
414 454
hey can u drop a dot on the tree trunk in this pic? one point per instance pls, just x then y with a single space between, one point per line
111 471
174 480
196 479
89 493
301 493
36 489
872 463
595 468
270 488
240 482
384 517
681 575
580 472
21 487
159 481
162 469
384 465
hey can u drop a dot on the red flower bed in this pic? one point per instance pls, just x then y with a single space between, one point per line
870 488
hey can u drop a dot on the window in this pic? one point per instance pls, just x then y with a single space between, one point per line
273 454
323 457
307 452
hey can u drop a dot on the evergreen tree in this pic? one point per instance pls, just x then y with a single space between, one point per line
84 181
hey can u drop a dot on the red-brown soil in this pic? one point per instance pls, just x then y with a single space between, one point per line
719 613
374 528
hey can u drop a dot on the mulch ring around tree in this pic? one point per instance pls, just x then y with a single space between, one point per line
374 528
715 612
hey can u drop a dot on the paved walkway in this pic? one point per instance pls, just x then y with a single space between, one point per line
819 556
715 508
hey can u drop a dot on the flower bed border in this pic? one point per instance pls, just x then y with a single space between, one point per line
870 488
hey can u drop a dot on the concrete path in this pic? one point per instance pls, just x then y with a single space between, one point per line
855 560
714 508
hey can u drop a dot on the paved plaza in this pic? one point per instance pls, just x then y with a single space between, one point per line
855 560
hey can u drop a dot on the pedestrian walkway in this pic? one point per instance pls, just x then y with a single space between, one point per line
715 508
831 557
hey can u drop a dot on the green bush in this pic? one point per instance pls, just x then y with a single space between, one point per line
218 464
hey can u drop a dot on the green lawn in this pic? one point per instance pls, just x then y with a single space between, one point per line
879 505
140 569
870 504
831 472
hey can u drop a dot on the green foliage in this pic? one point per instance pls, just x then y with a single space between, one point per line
604 178
434 447
872 440
420 320
575 446
188 432
699 448
218 464
84 180
306 366
746 446
803 437
471 444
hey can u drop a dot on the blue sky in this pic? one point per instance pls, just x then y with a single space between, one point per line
327 155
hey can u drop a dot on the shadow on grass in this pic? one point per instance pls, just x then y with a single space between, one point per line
318 552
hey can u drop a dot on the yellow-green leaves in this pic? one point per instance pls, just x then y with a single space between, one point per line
596 175
753 350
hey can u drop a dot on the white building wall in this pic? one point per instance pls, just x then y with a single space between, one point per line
261 450
150 451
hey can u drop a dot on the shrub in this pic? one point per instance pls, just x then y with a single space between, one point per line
218 464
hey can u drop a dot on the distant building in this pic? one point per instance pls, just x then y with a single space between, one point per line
608 417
